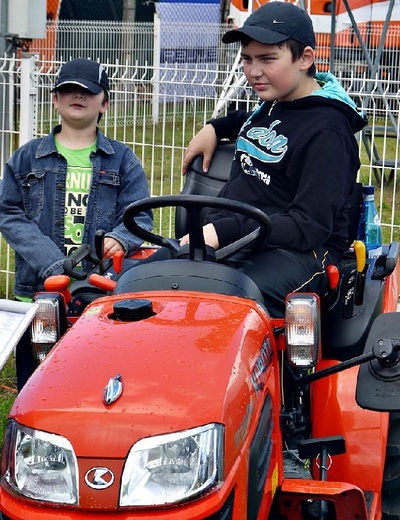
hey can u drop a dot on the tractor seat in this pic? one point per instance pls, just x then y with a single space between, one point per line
200 183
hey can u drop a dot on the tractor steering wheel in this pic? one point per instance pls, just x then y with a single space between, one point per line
193 205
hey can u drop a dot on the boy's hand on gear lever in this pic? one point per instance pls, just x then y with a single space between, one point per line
111 246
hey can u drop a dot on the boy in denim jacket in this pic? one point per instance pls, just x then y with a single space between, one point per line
57 191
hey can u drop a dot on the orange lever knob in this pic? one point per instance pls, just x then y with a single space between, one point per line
59 283
333 276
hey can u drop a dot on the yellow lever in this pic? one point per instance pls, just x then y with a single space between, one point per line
361 260
361 255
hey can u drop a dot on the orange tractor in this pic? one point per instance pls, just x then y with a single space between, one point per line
175 395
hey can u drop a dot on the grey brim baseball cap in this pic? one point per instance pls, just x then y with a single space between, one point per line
86 73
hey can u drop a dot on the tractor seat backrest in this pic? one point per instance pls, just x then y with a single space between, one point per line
200 183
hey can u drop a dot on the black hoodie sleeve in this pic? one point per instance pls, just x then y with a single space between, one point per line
228 127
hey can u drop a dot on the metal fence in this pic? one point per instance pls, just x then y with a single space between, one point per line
159 104
106 41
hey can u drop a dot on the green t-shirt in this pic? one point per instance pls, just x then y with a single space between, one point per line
79 179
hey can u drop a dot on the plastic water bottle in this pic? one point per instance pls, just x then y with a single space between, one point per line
369 229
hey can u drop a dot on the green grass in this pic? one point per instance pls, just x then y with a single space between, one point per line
8 386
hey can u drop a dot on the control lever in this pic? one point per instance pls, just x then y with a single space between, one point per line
333 278
83 252
102 282
118 259
59 283
386 264
361 260
99 248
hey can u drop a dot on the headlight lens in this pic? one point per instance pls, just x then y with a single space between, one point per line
40 465
173 467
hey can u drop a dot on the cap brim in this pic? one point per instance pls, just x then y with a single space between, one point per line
94 88
258 34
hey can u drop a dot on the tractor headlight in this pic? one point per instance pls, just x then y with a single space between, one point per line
45 327
173 467
39 465
302 329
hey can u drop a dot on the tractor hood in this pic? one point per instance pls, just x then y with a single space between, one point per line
190 362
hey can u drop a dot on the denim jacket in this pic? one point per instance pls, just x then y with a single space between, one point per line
32 203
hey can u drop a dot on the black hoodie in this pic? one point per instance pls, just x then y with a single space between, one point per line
297 161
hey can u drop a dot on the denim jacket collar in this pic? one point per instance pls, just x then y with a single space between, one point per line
48 144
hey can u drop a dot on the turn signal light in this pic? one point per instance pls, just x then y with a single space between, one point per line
46 326
302 329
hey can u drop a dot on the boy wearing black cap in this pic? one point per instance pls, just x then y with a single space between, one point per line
57 191
296 157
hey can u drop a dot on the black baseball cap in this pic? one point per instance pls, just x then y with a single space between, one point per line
275 22
85 73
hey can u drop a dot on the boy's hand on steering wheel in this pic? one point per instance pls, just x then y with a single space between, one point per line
210 237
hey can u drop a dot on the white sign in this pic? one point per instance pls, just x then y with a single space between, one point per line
15 318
